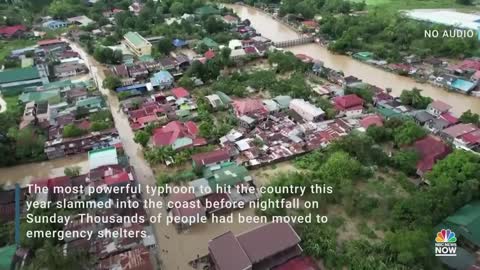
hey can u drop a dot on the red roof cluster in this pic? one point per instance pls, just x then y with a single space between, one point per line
348 102
470 64
430 149
9 31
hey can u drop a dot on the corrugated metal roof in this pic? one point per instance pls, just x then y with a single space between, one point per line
19 74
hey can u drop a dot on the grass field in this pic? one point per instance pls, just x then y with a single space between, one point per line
414 4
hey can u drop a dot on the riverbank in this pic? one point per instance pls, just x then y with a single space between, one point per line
278 31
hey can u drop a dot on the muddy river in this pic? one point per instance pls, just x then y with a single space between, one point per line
277 31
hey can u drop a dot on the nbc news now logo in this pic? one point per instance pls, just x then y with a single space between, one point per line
445 243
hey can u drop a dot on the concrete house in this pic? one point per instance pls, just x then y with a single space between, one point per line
137 44
306 110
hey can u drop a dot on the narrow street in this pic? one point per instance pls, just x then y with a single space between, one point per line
175 249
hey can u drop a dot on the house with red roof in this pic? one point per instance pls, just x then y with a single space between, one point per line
467 65
348 105
51 43
452 120
178 135
310 24
249 106
214 157
430 149
469 141
455 131
14 31
438 108
209 54
121 178
371 120
180 92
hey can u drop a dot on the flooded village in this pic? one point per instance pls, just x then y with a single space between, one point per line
205 112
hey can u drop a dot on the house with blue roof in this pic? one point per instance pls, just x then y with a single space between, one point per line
54 24
162 79
179 43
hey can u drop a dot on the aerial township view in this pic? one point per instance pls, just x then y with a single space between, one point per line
237 135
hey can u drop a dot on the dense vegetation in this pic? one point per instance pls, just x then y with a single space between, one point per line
395 222
18 146
388 35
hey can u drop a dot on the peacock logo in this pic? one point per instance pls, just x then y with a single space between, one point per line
445 236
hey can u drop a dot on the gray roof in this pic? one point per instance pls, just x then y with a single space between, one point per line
423 116
439 124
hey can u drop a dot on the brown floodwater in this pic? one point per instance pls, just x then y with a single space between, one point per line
24 174
277 31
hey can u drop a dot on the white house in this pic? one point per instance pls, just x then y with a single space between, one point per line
306 110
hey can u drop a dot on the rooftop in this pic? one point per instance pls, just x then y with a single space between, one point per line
102 157
19 74
466 222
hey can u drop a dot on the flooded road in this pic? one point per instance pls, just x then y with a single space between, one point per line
24 174
277 31
175 249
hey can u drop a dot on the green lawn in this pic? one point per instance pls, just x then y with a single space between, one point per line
7 46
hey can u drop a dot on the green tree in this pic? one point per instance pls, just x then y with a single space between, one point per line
112 82
411 246
72 171
406 161
379 134
71 130
408 133
469 117
177 8
186 82
165 46
142 138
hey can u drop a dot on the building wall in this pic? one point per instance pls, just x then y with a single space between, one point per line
352 113
138 51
